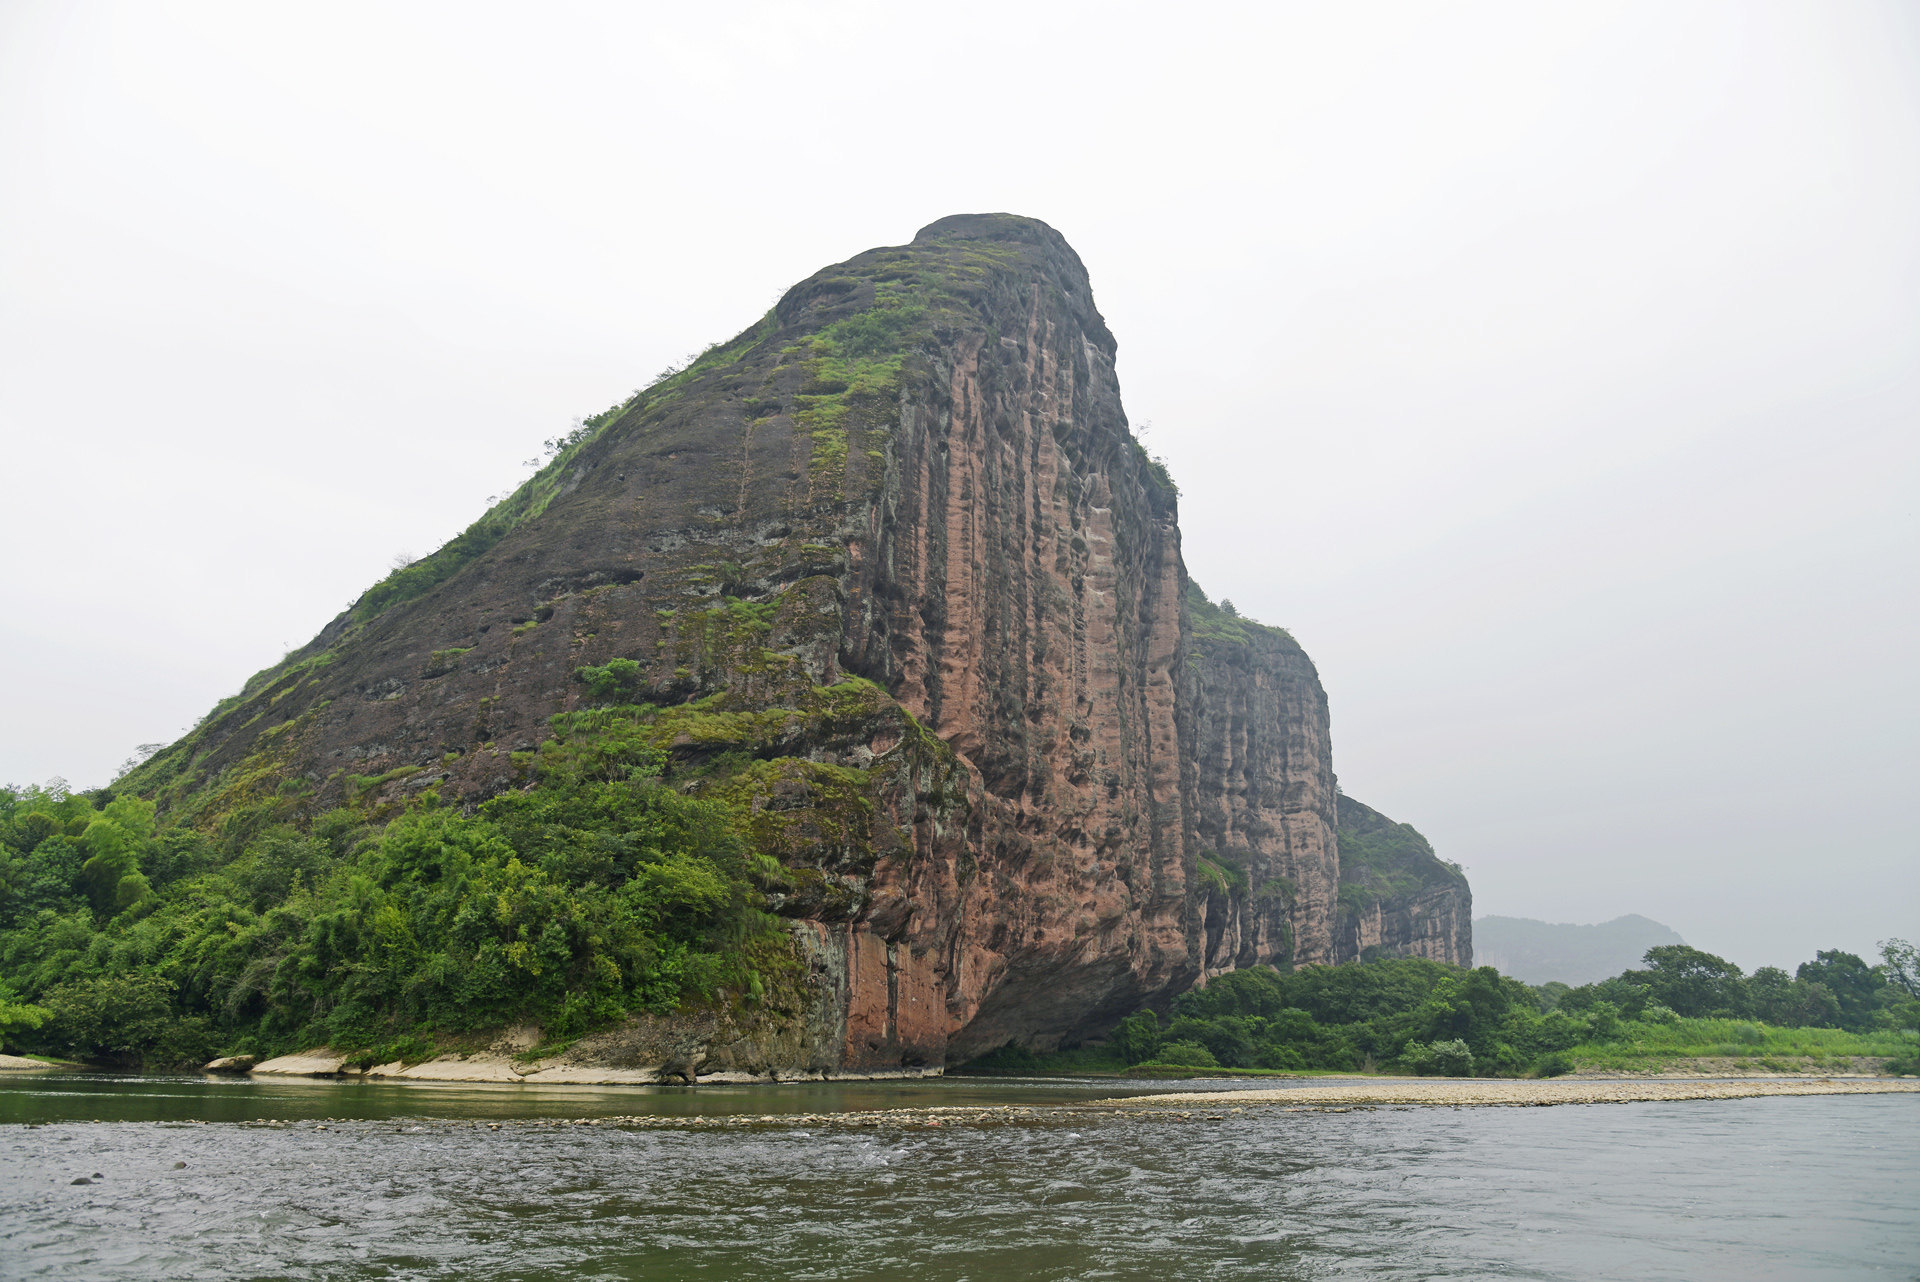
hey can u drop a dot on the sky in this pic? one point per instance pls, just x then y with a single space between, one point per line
1551 371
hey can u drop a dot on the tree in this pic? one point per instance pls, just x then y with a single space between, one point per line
1902 961
1770 995
1860 989
115 841
1439 1059
1603 1022
1137 1037
1186 1055
1812 1005
1693 983
141 755
111 1017
19 1017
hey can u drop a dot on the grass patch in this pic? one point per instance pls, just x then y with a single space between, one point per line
1651 1047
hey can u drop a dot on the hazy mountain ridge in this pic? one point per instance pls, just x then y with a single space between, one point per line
1539 952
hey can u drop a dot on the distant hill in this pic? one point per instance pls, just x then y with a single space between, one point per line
1538 951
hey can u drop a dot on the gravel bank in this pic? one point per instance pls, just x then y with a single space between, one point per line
1207 1106
1442 1090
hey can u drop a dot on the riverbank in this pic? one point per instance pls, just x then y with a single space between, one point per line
1339 1097
496 1067
1523 1093
840 1105
1709 1066
1187 1106
493 1067
39 1063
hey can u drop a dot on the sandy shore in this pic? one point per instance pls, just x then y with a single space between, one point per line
487 1066
1522 1093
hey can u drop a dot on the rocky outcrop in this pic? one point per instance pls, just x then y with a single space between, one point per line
1397 898
229 1064
322 1061
902 584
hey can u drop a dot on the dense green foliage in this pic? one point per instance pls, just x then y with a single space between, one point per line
1411 1015
1417 1015
593 892
1835 990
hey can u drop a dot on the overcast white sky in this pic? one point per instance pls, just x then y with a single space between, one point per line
1552 371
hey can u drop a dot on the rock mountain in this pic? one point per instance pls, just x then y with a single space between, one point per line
899 580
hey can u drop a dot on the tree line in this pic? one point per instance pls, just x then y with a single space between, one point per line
597 891
1413 1015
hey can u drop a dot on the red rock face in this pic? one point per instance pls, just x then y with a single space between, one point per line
916 470
1026 571
1260 774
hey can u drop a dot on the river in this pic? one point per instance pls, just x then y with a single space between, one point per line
211 1178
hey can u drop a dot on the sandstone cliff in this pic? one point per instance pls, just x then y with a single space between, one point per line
889 571
1260 783
1397 898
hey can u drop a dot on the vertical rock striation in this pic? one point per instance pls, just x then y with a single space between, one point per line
889 571
1260 783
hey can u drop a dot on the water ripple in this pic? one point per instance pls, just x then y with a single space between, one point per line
1755 1189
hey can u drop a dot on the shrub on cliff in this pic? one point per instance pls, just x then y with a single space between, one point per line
612 681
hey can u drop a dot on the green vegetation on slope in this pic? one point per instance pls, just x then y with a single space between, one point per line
1223 622
170 776
593 892
1412 1015
1383 860
539 490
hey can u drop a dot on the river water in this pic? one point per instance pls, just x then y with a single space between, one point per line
206 1178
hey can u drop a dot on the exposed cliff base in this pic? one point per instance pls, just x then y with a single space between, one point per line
888 576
